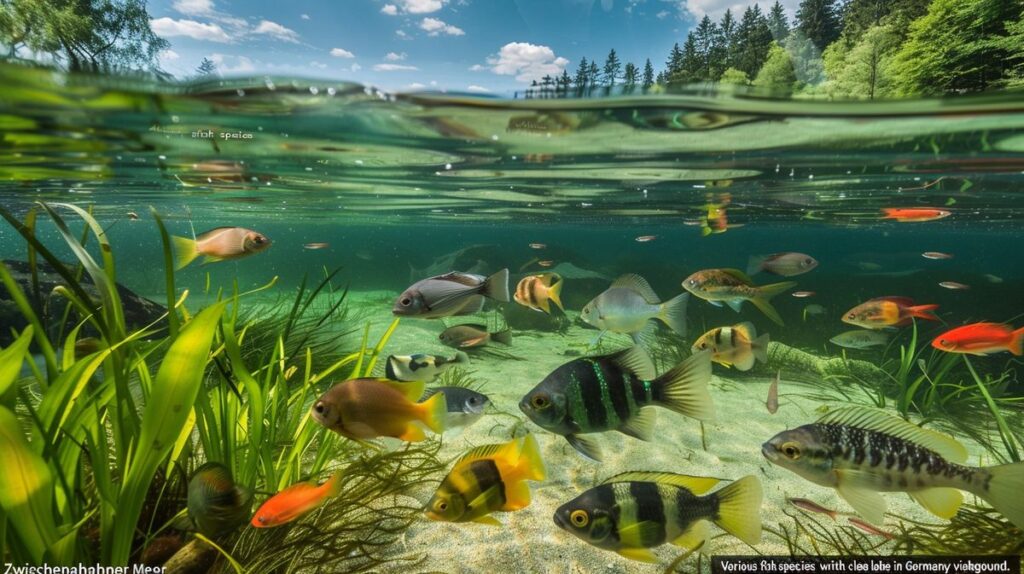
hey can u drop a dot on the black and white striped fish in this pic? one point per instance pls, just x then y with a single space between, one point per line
861 452
635 511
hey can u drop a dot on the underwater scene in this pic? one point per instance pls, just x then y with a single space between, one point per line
277 325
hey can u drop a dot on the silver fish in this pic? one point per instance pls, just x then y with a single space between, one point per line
453 293
786 264
860 339
629 305
472 336
465 406
421 367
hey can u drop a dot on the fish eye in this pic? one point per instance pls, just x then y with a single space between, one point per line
791 450
473 400
320 408
704 345
406 301
692 282
944 342
441 506
260 239
808 261
579 518
851 316
262 519
540 401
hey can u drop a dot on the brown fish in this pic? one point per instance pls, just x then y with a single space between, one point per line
370 408
732 287
811 506
471 336
786 264
772 402
858 523
219 244
538 292
736 346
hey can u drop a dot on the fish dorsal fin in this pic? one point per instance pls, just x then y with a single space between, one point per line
635 361
739 275
637 284
412 390
506 450
466 279
746 329
695 484
901 301
874 420
548 278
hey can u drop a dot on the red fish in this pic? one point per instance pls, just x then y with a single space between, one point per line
295 501
914 214
858 523
811 506
981 339
889 311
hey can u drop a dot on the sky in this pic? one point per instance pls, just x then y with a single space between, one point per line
482 46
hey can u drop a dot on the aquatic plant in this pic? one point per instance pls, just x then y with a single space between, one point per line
975 530
459 377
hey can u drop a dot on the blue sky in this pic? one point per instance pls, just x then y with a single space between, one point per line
465 45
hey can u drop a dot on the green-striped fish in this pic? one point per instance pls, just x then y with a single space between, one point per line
216 504
598 394
635 511
861 452
487 479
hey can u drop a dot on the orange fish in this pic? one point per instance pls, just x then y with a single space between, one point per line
295 501
370 408
981 339
538 291
219 244
888 311
914 214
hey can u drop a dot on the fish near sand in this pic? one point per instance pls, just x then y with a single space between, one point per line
786 264
419 367
631 513
465 406
490 478
629 305
216 505
981 339
218 244
889 311
737 346
451 294
296 501
362 409
860 339
732 287
539 291
772 402
811 506
615 392
861 452
470 336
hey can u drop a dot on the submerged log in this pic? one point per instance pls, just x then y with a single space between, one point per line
195 557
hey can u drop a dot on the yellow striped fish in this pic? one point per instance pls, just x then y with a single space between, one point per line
540 290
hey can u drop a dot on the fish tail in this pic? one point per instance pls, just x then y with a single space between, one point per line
760 348
434 411
923 312
764 296
673 313
334 483
1017 342
184 251
496 286
739 509
461 358
755 264
684 389
1003 491
555 294
504 337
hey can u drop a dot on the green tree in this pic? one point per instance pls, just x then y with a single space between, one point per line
806 58
692 64
818 21
733 76
958 46
777 22
91 35
630 75
1013 43
777 74
863 70
593 74
720 55
859 15
675 60
704 41
206 68
612 69
753 39
648 78
580 78
564 83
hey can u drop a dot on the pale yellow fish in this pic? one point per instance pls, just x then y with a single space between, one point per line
219 244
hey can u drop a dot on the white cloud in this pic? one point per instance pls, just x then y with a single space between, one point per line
477 68
342 53
663 14
356 67
393 57
394 68
227 64
193 7
477 89
276 30
400 33
171 28
389 9
304 16
421 6
315 64
434 27
415 86
169 55
716 8
527 61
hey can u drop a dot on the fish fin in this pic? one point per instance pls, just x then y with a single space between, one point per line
765 294
923 312
695 484
517 496
705 230
755 264
744 360
335 483
1016 345
184 251
530 465
942 502
866 502
739 275
684 388
473 305
470 343
543 306
636 361
504 450
1003 491
739 509
638 554
746 329
504 337
638 533
638 285
901 301
411 390
694 536
640 425
413 433
673 313
461 358
647 336
496 286
871 419
555 293
760 348
212 259
735 304
434 411
488 520
585 446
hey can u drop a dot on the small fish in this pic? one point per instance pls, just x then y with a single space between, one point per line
954 286
546 263
538 246
132 216
469 336
888 311
631 513
993 278
732 287
860 339
858 523
786 264
362 409
861 451
87 346
315 246
811 506
451 294
981 339
936 255
465 406
914 214
419 367
803 294
772 402
813 310
216 505
364 255
646 238
490 478
538 292
611 392
219 244
737 346
296 501
629 306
